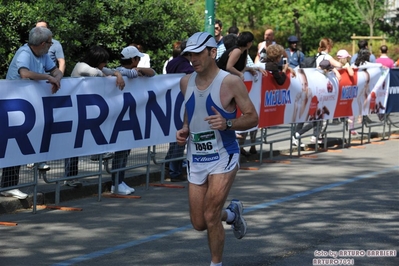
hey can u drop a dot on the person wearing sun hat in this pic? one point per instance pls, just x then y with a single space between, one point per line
343 57
211 99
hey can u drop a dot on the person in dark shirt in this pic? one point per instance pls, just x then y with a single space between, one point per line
234 59
179 64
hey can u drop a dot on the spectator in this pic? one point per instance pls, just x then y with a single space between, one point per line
300 104
363 44
129 60
262 47
326 66
294 55
233 60
92 65
175 53
343 57
56 54
211 98
179 64
233 31
384 59
274 54
218 32
230 40
145 61
363 57
325 62
31 61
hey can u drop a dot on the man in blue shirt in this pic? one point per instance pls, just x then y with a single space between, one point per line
295 57
31 61
56 52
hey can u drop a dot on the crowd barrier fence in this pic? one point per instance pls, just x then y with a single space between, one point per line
142 157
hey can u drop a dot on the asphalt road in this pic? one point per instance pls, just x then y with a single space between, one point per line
297 211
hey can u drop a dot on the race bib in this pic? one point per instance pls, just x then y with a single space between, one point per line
204 147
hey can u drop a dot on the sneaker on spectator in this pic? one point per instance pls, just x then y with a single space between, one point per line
295 142
239 224
73 183
132 190
16 193
30 165
43 166
122 190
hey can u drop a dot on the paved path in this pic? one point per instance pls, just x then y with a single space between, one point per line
296 209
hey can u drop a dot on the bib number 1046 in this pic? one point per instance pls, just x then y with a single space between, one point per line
204 146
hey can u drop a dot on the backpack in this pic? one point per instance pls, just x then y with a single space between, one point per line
309 61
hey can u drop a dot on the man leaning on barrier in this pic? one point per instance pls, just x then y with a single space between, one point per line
31 61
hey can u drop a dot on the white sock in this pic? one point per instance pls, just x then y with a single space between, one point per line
216 264
230 216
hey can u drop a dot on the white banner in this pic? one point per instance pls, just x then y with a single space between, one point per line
91 115
86 116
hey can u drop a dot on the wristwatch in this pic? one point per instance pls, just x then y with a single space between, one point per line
229 124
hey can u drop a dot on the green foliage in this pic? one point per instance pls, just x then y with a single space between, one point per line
156 24
114 24
337 19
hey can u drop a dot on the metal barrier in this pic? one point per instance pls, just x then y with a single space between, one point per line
280 130
164 153
89 166
367 123
255 139
392 120
84 167
141 157
136 158
291 128
27 178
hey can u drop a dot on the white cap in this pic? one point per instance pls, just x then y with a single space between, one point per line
198 42
130 52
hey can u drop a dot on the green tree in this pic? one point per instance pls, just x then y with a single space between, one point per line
111 24
371 11
316 19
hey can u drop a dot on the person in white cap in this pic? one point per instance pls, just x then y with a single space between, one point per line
129 60
211 98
